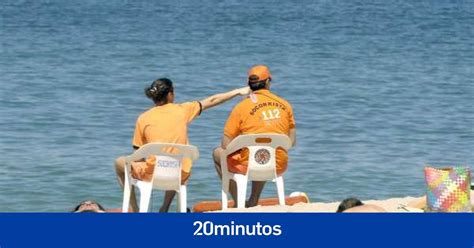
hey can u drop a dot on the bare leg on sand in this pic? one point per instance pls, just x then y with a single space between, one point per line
257 187
120 171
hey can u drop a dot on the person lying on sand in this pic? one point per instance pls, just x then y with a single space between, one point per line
88 207
354 205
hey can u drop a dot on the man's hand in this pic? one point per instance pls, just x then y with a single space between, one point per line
244 91
223 97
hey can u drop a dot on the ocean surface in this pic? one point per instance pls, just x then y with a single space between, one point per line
379 89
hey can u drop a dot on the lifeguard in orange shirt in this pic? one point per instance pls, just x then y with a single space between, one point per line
166 122
261 112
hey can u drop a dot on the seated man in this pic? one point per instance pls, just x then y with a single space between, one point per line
261 112
354 205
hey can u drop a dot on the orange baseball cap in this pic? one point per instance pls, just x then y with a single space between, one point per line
260 71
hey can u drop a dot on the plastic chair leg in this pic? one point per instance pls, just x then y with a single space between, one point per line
182 204
225 190
224 200
145 196
126 196
280 190
241 191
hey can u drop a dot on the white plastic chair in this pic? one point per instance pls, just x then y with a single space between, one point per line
166 175
264 146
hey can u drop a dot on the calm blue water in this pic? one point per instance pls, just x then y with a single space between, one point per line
379 89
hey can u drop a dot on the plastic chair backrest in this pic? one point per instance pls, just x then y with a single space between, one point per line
169 157
262 153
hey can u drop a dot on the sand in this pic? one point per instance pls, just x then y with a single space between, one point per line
390 205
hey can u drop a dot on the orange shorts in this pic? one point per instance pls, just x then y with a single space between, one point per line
237 162
144 171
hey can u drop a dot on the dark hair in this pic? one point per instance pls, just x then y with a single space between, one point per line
348 203
255 84
84 202
159 89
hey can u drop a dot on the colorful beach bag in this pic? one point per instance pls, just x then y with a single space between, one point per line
448 189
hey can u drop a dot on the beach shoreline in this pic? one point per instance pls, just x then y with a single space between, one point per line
392 205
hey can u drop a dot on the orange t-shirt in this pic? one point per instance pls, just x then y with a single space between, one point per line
167 124
266 113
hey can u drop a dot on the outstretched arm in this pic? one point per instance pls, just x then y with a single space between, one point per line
217 99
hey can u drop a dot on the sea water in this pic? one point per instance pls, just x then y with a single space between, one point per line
379 90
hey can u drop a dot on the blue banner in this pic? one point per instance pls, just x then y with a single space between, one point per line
237 230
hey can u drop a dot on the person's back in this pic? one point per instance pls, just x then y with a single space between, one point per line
166 123
366 208
261 112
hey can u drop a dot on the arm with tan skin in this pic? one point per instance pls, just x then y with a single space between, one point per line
292 135
217 99
225 141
